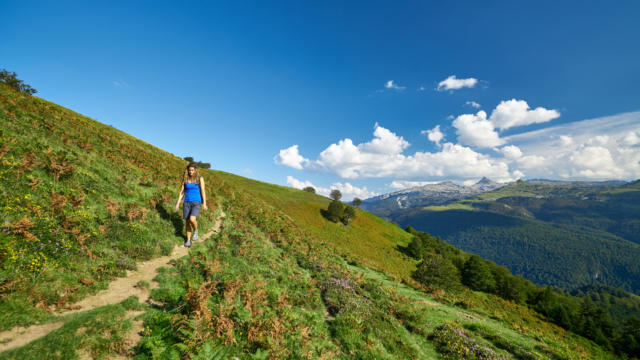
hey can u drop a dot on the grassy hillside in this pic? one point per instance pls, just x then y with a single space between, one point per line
81 202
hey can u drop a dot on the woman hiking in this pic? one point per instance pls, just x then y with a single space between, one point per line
192 189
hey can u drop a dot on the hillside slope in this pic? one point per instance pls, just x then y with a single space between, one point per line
81 202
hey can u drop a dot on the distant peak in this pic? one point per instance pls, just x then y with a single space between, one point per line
484 181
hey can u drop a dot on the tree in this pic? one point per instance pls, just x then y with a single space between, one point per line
204 165
310 189
477 275
348 214
12 80
436 271
335 212
188 158
335 194
357 202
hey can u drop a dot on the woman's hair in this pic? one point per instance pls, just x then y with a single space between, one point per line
196 174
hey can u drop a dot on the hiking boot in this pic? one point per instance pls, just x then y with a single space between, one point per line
187 243
194 237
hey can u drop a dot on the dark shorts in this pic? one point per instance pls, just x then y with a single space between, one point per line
190 208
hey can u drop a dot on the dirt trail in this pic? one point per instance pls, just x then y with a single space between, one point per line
118 290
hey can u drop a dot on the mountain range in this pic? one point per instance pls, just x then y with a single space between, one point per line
562 233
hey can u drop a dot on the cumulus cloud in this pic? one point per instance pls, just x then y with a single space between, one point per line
473 104
593 149
365 160
348 190
631 139
434 134
476 130
514 112
290 157
391 85
511 152
452 83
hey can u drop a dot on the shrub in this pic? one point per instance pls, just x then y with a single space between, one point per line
348 214
436 271
310 189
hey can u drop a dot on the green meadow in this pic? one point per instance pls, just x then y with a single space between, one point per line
82 202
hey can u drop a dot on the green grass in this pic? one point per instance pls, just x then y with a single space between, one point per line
452 206
279 281
98 333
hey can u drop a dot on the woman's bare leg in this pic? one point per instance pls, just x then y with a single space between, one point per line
187 228
194 223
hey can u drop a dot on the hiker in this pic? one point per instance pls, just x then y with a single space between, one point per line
192 189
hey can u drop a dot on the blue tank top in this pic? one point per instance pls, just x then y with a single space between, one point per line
192 192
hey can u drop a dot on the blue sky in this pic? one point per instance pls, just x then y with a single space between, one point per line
541 89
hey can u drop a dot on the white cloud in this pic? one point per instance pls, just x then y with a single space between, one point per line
422 88
404 184
348 160
531 162
391 85
473 104
596 149
631 139
434 134
348 190
476 130
384 142
514 112
595 162
593 149
451 83
566 140
511 152
299 184
290 157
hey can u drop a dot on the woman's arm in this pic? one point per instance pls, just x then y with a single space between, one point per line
203 193
180 196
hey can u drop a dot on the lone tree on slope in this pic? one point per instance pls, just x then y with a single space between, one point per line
335 194
357 202
310 189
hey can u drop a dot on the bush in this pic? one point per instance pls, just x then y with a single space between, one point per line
337 211
436 271
348 214
310 189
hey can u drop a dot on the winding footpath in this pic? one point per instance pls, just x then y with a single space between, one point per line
119 290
